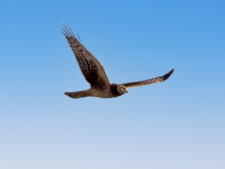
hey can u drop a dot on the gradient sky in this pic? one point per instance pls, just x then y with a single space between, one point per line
178 124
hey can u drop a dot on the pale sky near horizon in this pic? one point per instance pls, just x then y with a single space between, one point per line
178 124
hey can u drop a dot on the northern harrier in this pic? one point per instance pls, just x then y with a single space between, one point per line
94 73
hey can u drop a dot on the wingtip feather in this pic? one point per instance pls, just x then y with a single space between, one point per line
166 76
66 30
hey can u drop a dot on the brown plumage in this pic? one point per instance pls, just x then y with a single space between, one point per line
95 74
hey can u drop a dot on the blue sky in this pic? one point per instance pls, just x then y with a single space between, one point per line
178 124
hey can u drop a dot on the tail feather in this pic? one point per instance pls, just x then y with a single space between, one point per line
77 95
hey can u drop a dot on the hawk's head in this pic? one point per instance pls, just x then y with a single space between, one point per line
122 89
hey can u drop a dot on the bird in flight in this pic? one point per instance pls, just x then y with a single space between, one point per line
94 73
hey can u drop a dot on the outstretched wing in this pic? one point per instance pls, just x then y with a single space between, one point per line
90 67
149 81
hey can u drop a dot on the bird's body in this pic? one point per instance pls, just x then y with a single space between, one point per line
96 92
95 74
